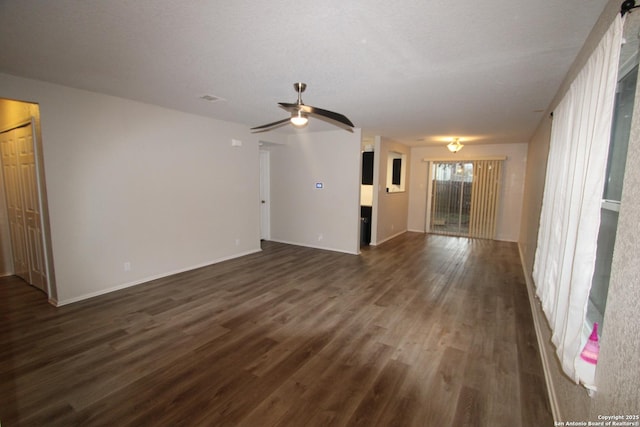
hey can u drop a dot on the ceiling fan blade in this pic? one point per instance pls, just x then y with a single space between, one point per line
270 125
328 114
292 108
337 117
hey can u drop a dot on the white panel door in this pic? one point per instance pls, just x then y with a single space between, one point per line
31 207
15 205
265 220
21 188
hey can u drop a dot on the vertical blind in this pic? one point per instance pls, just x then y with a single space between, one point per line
484 198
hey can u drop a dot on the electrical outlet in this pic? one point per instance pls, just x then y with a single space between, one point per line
127 266
320 237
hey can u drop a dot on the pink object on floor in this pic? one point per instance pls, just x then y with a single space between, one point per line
592 347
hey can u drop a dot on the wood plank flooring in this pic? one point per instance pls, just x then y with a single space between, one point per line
423 330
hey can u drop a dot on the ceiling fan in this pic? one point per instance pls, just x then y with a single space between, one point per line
300 114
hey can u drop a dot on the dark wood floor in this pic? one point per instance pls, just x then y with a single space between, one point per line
420 331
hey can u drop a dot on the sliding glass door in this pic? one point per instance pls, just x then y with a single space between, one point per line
464 198
451 198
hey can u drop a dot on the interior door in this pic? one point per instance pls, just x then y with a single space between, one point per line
31 206
21 188
265 219
15 208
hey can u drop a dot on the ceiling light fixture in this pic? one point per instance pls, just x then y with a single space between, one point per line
299 120
455 146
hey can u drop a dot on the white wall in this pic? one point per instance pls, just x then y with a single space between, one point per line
301 214
391 209
131 182
509 212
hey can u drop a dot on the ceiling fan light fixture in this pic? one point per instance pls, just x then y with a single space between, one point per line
455 146
299 119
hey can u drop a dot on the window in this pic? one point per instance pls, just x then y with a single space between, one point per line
620 130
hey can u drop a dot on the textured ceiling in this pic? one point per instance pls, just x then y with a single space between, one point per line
414 71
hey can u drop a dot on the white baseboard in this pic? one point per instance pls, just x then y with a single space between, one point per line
553 399
147 279
386 239
305 245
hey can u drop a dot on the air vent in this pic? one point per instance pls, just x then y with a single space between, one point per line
211 98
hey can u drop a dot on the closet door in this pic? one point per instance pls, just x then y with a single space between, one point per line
31 207
15 208
21 187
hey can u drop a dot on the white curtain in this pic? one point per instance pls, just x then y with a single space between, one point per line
570 217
